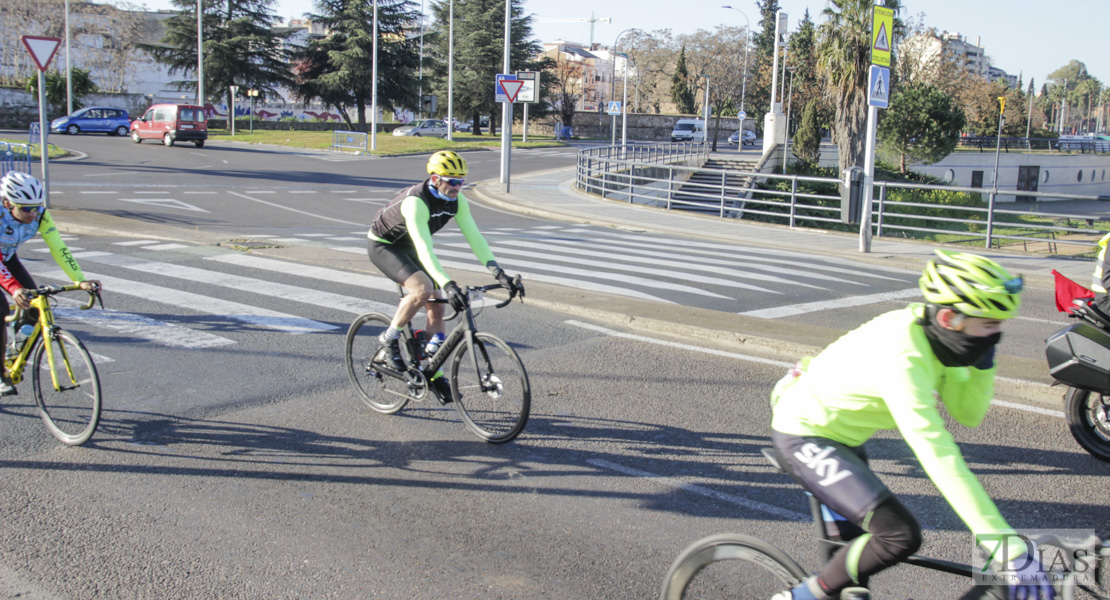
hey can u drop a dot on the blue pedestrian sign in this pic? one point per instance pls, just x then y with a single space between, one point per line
614 108
498 91
878 87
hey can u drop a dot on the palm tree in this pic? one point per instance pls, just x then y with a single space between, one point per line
843 60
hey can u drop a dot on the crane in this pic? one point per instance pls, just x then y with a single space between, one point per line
591 21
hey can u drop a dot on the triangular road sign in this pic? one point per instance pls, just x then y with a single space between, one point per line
511 87
42 49
882 41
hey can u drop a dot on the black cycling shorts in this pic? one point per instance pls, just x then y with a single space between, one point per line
836 474
396 261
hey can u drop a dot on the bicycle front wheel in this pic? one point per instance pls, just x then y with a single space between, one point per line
67 391
494 398
374 381
755 569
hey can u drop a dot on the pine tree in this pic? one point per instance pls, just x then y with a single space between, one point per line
681 93
338 71
240 47
479 53
807 140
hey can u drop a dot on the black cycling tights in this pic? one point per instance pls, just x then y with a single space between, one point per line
895 535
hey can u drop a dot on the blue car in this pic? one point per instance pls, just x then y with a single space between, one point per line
94 119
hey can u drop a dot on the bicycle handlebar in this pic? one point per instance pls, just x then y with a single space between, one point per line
517 288
50 290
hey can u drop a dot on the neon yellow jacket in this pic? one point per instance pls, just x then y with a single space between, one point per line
884 375
13 234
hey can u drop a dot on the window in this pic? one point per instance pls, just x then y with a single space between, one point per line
949 176
976 179
160 114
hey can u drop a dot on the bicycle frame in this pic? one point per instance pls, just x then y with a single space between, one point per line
44 326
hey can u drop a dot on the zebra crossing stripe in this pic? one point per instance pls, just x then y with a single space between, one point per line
313 272
235 311
704 263
565 270
811 307
272 289
138 326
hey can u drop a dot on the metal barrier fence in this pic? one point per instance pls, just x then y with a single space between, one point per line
14 157
349 140
991 144
947 214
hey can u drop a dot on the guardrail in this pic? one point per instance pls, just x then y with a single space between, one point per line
652 176
349 140
15 157
1007 144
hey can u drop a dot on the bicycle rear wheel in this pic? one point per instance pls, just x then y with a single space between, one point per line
379 388
71 407
755 570
494 399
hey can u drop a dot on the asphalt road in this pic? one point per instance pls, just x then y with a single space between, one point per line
234 461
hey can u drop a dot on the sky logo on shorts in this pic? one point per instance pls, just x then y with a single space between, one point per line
816 458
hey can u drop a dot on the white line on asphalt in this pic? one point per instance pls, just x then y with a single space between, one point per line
756 359
302 212
200 192
260 192
165 247
138 326
700 490
322 273
609 276
94 192
301 192
811 307
150 192
313 234
235 311
135 243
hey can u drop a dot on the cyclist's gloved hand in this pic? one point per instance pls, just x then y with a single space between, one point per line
1033 580
455 296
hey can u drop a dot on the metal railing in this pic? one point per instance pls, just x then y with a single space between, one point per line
1007 144
349 140
15 157
946 214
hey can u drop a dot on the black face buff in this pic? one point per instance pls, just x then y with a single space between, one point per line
954 348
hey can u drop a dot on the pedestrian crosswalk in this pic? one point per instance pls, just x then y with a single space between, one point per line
230 292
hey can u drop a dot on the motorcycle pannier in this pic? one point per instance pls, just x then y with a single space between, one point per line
1079 355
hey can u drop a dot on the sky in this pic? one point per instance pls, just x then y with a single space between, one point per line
1030 37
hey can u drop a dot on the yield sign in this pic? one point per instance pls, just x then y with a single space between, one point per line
511 87
42 49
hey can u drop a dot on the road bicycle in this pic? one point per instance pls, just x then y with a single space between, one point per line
758 570
489 385
63 374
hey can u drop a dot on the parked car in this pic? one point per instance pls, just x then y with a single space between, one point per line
462 126
423 127
749 137
171 123
94 119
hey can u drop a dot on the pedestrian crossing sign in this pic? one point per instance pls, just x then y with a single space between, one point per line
878 88
614 108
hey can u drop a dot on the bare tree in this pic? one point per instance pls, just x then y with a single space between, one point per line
107 41
652 55
26 17
567 87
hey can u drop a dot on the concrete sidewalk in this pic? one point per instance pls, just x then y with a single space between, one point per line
551 194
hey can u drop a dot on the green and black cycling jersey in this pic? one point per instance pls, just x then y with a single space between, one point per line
415 214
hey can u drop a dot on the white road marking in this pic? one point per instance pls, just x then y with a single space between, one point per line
811 307
322 273
756 359
301 212
135 243
138 326
700 490
165 247
165 203
200 192
94 192
220 308
593 273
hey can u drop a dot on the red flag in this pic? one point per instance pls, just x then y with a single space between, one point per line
1068 290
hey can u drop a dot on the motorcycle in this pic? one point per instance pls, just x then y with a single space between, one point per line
1079 357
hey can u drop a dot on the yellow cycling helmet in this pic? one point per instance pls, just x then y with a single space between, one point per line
971 284
447 164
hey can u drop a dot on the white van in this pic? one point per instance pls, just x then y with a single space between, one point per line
688 130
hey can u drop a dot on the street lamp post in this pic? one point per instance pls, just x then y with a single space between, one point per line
624 103
789 104
744 80
374 85
997 150
420 77
200 54
451 72
69 70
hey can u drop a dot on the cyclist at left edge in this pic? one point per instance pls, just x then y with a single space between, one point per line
25 215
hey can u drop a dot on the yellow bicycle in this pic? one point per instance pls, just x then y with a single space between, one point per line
67 387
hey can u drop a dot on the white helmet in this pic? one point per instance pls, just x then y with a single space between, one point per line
21 188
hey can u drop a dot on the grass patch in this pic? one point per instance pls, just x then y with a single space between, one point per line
55 151
387 145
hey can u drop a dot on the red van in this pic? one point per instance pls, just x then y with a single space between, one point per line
171 123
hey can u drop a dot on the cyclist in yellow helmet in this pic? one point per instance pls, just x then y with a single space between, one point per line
889 374
400 245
